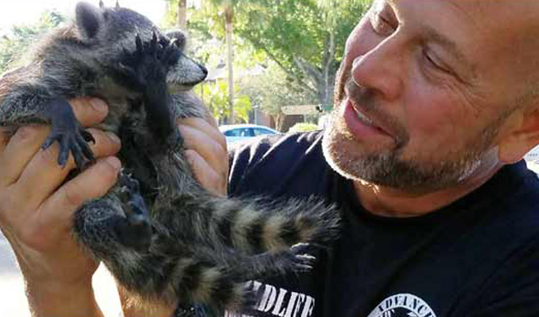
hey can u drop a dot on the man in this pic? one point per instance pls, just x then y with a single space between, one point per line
436 104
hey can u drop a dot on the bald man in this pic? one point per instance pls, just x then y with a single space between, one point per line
436 104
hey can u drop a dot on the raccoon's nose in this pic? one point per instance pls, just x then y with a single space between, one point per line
204 71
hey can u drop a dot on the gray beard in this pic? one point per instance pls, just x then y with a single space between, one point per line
388 169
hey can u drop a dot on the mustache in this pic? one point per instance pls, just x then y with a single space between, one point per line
365 100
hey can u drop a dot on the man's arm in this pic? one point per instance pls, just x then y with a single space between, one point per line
36 211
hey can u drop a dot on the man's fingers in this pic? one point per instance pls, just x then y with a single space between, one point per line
209 178
208 128
207 142
43 174
89 111
17 151
59 208
20 149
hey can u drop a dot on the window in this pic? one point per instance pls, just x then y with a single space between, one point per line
241 132
260 131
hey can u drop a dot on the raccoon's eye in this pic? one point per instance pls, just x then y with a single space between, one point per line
106 15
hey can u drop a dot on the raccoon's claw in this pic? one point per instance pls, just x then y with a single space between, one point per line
138 43
154 45
74 141
303 261
88 137
129 184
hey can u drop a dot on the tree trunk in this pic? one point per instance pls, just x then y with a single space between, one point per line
329 76
229 15
182 14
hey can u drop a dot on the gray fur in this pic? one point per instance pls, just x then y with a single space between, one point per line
203 248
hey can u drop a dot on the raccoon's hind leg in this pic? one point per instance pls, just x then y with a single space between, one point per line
27 104
217 277
135 230
114 222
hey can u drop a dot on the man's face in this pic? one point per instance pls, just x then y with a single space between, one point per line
423 90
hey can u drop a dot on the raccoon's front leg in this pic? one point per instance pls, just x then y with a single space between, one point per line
27 104
146 70
68 132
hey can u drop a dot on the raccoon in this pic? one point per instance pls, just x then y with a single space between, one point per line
161 235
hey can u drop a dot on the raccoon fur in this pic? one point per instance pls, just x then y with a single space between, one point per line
161 235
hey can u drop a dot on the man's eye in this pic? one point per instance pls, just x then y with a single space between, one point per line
433 62
380 25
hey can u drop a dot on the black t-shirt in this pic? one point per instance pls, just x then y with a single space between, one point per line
477 257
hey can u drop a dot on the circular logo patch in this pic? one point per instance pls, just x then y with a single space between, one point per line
403 305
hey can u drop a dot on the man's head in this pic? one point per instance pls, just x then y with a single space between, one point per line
431 90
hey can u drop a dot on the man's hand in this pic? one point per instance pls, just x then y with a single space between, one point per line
36 212
206 152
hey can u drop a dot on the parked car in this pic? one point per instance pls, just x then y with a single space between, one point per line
532 159
241 132
533 155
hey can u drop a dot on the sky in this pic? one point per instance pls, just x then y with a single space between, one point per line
26 11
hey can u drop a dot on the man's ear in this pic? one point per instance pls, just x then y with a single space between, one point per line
519 136
89 20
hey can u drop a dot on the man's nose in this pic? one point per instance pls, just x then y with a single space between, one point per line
380 69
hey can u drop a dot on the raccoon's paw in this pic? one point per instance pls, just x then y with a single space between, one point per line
135 230
128 186
149 63
72 138
301 260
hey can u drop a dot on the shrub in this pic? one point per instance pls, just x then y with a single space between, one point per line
303 127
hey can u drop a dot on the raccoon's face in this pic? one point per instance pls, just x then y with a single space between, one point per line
114 30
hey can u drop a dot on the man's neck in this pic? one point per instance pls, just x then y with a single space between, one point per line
389 202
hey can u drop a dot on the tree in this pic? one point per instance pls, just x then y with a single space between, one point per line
305 38
227 10
176 14
216 98
273 90
182 14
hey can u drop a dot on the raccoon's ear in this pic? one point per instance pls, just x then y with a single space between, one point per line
178 37
89 20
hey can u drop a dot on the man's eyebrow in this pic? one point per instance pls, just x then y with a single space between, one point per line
451 47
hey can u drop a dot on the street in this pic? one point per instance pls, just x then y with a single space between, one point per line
13 301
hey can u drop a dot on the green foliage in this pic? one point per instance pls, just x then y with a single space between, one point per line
272 90
303 127
215 95
305 38
16 44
